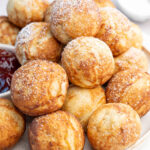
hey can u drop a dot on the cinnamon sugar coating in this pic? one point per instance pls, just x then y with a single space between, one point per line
39 87
104 3
131 87
48 13
115 30
35 41
57 131
83 102
8 31
132 59
137 36
70 19
23 12
88 62
12 124
113 127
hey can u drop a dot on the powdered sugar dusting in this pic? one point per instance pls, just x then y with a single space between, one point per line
58 128
133 58
88 61
115 30
25 35
119 83
35 82
113 123
61 9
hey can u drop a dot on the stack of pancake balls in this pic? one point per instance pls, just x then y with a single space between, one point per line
83 73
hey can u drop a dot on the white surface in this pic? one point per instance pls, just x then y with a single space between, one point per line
3 4
23 144
137 10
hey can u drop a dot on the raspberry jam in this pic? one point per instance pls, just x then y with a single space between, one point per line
8 65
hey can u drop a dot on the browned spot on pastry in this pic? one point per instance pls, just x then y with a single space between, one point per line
83 102
113 126
12 124
59 130
70 19
131 87
8 31
88 62
39 87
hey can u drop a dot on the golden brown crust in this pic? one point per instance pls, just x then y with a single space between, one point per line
133 58
24 12
12 124
8 31
131 87
115 30
48 13
137 35
83 102
104 3
56 131
35 41
39 87
88 62
113 127
74 18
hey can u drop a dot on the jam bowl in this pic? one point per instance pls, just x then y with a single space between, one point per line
7 65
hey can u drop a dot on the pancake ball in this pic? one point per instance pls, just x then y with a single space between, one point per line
8 31
104 3
48 13
115 30
70 19
22 12
114 127
83 102
137 36
12 124
35 41
131 87
133 58
56 131
39 87
88 62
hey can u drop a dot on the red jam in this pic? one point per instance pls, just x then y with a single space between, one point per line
8 65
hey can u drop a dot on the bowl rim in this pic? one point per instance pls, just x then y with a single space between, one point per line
12 49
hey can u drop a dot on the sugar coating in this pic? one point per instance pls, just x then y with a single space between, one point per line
60 129
8 31
88 62
82 102
115 30
133 58
39 87
26 11
138 37
48 13
73 18
35 41
12 124
104 3
131 87
24 35
113 126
